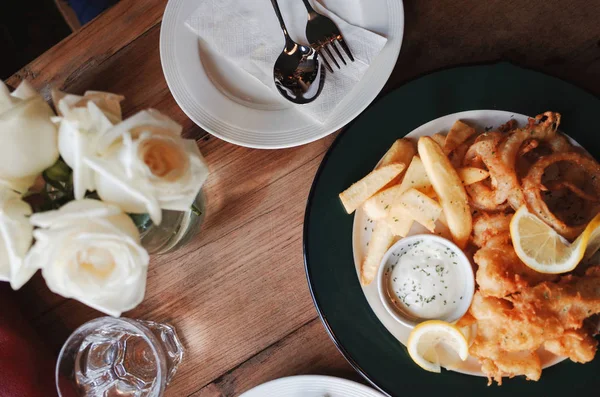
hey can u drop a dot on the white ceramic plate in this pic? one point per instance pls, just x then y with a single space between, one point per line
363 227
311 386
222 100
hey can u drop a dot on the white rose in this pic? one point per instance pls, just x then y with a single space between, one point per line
144 166
27 135
15 238
82 121
90 251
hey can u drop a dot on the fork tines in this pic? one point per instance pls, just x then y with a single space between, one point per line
327 45
343 44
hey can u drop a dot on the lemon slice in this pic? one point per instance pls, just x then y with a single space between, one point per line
426 339
542 249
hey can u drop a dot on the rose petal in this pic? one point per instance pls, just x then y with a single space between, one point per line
145 121
15 239
28 136
96 259
83 121
114 187
73 211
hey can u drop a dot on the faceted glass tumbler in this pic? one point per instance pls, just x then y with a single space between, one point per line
118 357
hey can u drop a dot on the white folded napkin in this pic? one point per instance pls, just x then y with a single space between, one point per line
247 32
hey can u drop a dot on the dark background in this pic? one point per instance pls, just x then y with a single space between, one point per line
27 29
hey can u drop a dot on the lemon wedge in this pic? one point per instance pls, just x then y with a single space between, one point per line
426 340
542 249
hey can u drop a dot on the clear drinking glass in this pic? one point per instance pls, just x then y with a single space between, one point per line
118 357
176 229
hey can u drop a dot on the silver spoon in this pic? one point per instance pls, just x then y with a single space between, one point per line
299 74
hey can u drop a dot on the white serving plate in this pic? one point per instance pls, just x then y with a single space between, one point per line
225 102
311 386
480 119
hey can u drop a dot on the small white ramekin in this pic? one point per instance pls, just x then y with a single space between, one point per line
409 320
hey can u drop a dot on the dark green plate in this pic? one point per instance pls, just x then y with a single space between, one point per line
330 270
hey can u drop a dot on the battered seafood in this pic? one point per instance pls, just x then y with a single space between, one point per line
543 129
466 186
483 152
533 187
549 315
516 309
501 273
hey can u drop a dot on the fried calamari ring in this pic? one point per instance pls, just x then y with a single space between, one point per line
484 197
533 186
528 146
542 128
576 190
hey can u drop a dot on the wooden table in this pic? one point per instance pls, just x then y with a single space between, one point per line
237 293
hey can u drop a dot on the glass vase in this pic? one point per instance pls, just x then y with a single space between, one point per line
176 229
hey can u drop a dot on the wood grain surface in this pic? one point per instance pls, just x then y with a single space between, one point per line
237 293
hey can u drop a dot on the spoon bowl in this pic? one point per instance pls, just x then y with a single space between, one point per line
299 73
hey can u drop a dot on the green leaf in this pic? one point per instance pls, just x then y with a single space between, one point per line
141 220
195 210
52 184
59 172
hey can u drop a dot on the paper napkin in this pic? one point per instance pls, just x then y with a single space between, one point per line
247 32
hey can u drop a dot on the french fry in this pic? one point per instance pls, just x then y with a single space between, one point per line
400 224
418 206
359 192
442 220
416 177
378 206
449 189
458 134
471 175
402 151
441 229
439 138
381 239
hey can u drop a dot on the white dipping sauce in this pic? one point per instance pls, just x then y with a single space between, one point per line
426 279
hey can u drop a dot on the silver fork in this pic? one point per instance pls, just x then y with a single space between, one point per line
323 34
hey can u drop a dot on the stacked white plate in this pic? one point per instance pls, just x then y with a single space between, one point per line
229 104
311 386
